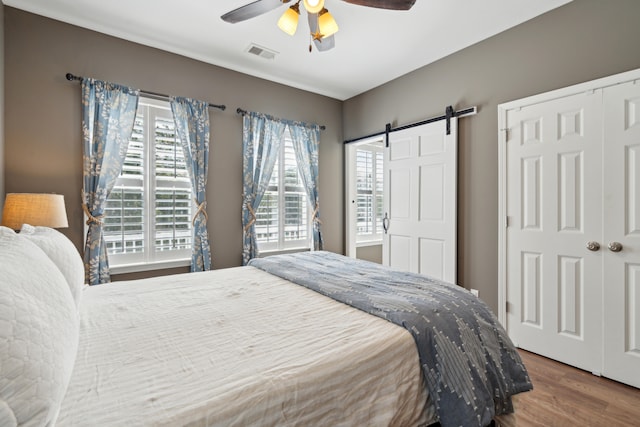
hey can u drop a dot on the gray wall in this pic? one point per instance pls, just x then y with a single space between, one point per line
370 253
581 41
43 140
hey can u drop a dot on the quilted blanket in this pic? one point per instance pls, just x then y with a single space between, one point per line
470 366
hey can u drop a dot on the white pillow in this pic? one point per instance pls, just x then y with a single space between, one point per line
39 332
62 252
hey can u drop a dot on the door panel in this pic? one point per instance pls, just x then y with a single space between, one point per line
622 225
432 256
554 284
420 198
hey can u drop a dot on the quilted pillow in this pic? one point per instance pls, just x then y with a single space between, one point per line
39 331
62 252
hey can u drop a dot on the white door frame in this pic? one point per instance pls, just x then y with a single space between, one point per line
350 192
633 75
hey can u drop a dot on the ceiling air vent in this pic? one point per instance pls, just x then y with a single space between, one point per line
262 52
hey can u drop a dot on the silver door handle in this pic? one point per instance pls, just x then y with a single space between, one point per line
593 246
615 247
385 223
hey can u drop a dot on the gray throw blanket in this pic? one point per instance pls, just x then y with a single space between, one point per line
471 368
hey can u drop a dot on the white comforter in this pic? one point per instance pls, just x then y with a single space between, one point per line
238 347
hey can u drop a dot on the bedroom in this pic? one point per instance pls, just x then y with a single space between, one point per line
583 40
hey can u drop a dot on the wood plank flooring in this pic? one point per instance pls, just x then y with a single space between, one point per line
565 396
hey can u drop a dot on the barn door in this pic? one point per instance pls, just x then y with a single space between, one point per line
420 170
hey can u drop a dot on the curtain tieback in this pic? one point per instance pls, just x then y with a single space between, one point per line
201 210
91 219
314 215
253 217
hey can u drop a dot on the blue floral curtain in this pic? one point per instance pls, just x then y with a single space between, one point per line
192 125
305 144
108 114
261 137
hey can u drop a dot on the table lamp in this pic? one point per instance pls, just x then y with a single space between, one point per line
46 210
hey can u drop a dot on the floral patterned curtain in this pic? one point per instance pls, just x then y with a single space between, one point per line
261 137
305 144
108 114
192 125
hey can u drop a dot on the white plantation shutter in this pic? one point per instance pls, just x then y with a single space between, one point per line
282 220
172 195
369 193
124 213
148 215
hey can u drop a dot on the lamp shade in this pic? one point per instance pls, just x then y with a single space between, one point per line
288 22
326 24
46 210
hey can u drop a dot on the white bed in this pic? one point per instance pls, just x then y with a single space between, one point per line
263 345
237 347
227 347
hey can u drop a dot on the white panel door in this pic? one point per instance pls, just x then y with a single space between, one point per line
622 225
420 200
554 194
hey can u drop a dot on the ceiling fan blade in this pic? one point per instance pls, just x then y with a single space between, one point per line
323 44
252 10
384 4
326 43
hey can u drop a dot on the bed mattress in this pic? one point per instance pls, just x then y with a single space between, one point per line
238 347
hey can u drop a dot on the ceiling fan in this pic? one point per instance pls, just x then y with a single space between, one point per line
322 26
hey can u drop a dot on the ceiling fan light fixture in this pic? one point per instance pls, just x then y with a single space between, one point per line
288 22
313 6
326 24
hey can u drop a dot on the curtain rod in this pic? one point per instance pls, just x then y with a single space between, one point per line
243 112
71 77
449 113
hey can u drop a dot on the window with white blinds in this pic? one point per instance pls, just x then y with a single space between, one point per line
282 219
148 214
369 193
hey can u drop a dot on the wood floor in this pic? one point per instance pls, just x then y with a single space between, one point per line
566 396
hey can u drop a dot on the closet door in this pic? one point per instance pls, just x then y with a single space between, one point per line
420 183
621 235
554 209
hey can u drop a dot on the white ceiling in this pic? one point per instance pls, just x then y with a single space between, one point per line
373 46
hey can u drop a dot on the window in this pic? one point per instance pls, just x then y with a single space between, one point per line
369 192
148 214
282 219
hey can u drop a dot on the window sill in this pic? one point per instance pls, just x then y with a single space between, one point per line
282 252
160 265
369 243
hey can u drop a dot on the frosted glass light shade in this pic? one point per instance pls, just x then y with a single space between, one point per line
326 24
313 6
288 22
46 210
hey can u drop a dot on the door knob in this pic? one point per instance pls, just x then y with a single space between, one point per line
615 247
593 246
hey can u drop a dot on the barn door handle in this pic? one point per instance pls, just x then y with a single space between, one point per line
615 247
385 223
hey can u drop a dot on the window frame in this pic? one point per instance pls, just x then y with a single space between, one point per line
282 245
150 258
